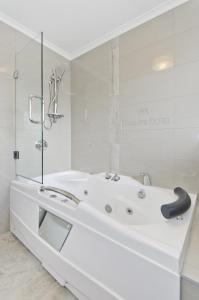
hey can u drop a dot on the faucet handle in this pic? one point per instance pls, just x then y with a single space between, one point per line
116 177
107 176
146 178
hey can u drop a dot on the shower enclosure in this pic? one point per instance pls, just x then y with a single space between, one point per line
29 106
42 116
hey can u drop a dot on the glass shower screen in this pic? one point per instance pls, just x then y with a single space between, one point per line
29 107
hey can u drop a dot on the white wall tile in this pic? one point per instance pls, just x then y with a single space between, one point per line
157 118
140 62
154 115
186 16
149 87
186 79
58 155
187 46
186 111
149 33
7 52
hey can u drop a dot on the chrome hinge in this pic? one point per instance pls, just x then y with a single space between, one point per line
15 74
16 154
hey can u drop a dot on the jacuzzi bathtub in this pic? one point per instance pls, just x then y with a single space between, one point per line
118 246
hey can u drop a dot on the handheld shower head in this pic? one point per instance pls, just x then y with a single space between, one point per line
54 85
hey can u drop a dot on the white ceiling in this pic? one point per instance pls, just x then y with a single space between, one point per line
73 27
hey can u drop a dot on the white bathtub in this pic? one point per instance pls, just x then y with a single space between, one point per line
132 252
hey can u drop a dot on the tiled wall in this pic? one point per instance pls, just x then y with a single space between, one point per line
7 50
57 157
128 116
90 104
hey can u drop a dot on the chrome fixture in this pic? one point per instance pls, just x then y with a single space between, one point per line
61 192
31 98
108 208
115 177
141 194
108 176
146 178
39 145
15 74
54 85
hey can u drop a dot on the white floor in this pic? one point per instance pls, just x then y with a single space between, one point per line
22 276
